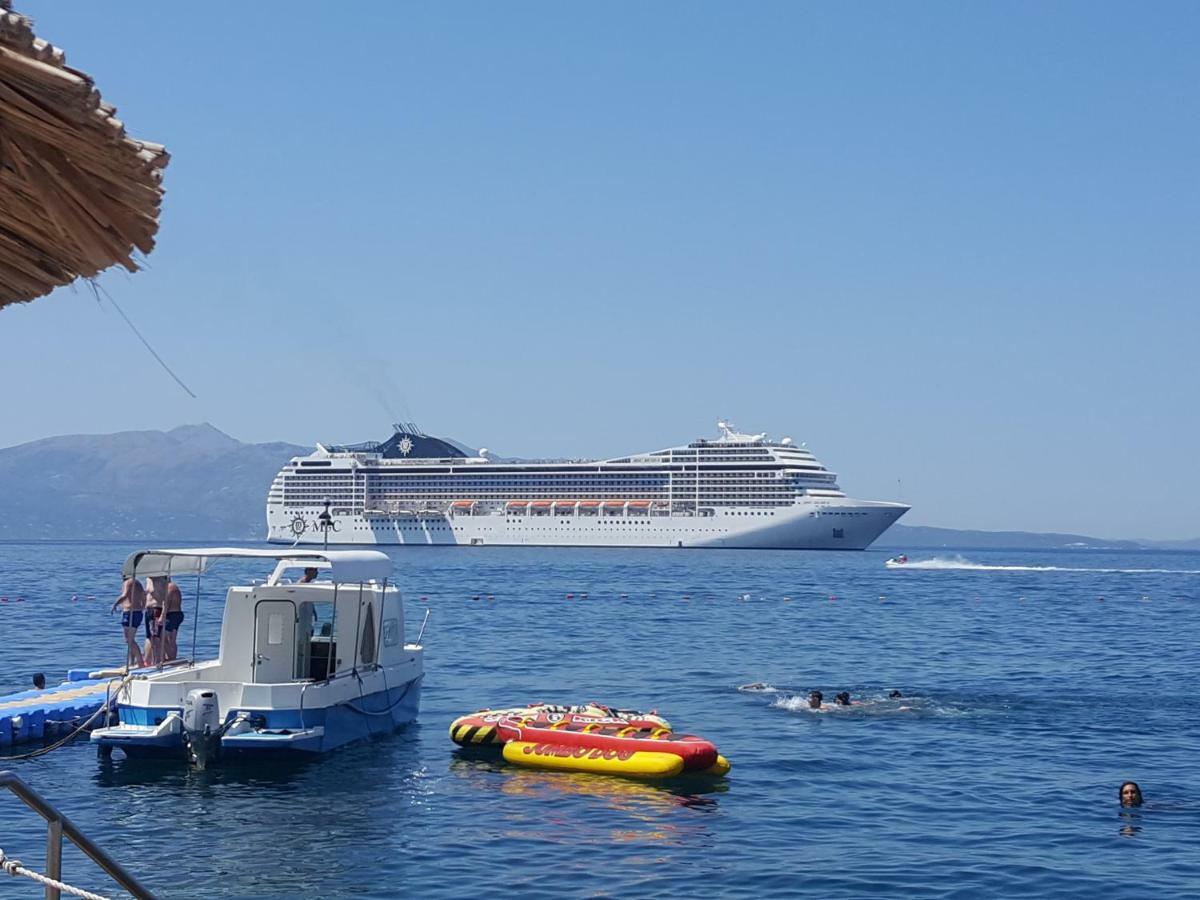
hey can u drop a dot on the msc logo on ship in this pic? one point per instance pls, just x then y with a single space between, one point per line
298 526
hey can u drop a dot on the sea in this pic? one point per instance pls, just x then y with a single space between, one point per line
1033 682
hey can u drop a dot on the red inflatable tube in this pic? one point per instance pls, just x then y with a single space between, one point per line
697 754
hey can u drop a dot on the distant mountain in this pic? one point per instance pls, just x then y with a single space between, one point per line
197 483
191 483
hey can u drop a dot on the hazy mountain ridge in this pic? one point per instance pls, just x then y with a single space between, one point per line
197 483
191 483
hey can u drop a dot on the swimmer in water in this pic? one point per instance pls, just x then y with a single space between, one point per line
814 700
895 695
842 699
1130 794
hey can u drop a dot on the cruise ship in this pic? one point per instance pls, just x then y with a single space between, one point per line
735 490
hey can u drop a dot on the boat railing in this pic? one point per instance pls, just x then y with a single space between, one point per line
58 826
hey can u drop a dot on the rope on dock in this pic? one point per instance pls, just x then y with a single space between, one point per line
42 751
14 868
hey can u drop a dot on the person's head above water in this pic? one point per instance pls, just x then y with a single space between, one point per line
842 699
39 680
814 700
1130 794
895 694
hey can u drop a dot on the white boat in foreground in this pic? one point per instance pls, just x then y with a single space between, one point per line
302 667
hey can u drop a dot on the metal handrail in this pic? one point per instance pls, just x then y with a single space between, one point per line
58 825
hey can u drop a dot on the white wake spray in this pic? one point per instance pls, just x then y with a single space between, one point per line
962 564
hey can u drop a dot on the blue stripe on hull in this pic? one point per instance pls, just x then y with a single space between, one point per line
372 715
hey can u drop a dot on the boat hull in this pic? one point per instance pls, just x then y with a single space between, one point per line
283 732
829 525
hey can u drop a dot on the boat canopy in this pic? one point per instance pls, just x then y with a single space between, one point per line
344 566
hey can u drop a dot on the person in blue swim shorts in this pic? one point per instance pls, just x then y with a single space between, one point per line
172 602
133 605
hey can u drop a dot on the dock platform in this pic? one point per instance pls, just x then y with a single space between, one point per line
36 715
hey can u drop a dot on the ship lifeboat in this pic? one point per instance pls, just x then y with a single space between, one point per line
479 728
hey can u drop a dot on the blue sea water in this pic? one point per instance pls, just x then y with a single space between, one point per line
1034 682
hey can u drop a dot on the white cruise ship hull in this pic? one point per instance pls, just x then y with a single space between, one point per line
835 524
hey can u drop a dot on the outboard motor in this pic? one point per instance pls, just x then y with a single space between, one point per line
201 726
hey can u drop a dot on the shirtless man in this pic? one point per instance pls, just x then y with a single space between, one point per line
161 632
133 605
152 652
172 619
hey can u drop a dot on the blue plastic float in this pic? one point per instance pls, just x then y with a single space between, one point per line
53 711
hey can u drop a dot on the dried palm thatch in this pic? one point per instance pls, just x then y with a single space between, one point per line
76 194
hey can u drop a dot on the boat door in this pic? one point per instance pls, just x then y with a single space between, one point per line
274 641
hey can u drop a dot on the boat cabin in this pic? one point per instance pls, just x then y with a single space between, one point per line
287 629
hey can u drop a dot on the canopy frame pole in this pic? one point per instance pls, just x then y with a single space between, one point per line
357 630
379 632
329 656
195 622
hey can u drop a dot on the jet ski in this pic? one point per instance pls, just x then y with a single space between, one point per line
896 561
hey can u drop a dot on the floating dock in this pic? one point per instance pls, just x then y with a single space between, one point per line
35 715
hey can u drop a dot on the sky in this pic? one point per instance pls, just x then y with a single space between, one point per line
953 247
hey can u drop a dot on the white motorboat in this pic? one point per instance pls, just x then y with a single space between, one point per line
303 666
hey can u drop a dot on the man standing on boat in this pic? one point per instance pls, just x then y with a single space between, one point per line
152 649
165 594
133 605
173 618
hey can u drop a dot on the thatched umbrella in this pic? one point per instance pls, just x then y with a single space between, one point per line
77 195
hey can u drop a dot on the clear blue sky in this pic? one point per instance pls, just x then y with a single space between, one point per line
952 245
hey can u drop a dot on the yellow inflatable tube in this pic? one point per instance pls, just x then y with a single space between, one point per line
631 764
720 768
